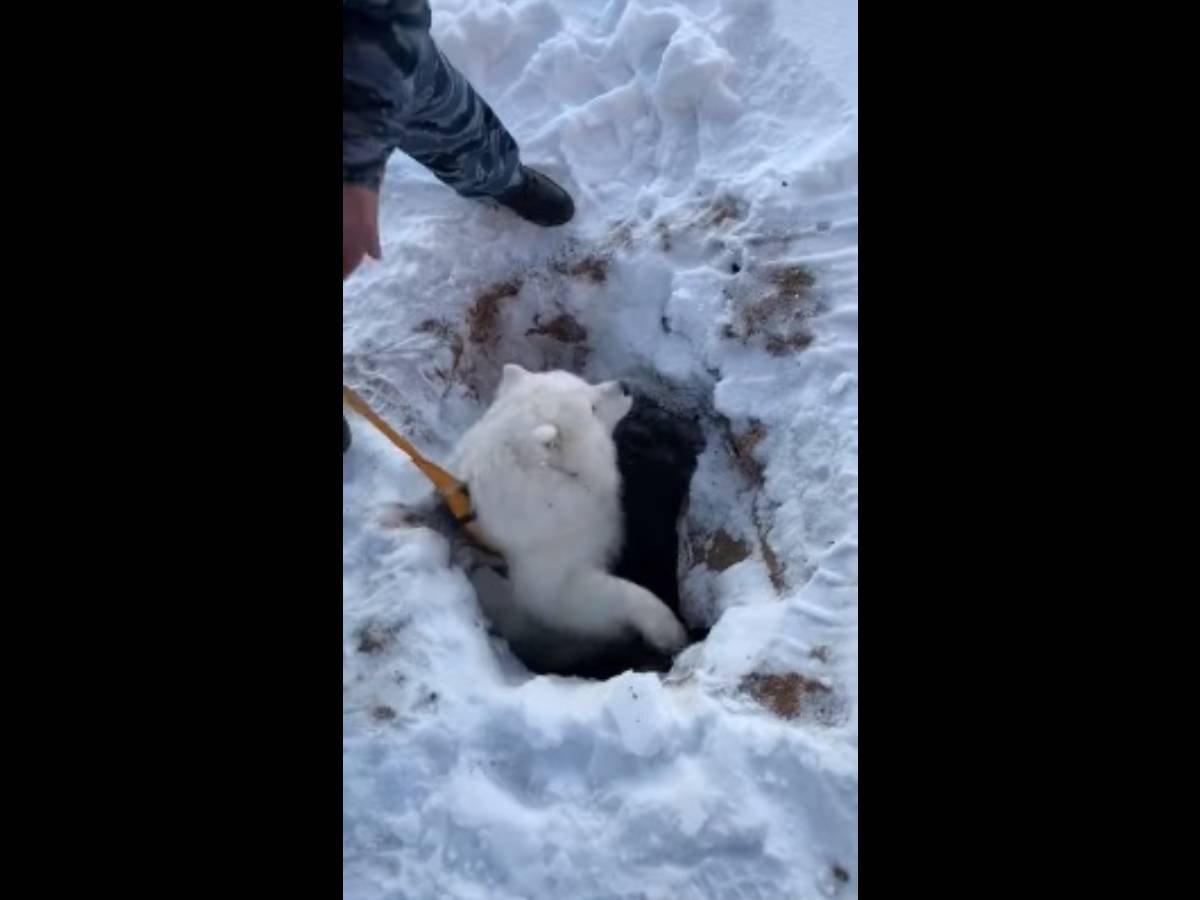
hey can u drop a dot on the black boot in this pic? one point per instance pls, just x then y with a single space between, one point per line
539 200
345 435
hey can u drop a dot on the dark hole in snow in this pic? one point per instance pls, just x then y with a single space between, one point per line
657 453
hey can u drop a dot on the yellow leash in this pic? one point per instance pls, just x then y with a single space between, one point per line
453 492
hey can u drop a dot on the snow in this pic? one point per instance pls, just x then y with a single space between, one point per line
711 147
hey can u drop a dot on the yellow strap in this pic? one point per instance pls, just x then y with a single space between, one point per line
453 492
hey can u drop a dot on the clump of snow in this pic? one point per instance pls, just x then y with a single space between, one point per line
713 262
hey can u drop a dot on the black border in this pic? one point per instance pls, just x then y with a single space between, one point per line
188 584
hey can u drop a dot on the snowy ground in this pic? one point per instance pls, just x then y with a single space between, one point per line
711 146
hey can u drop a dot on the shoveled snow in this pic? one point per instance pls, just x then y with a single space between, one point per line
711 147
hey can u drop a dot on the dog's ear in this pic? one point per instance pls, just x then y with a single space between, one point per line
545 434
612 403
510 376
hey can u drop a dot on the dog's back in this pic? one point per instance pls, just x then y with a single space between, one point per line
657 453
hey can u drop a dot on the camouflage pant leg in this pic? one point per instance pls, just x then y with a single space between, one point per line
453 132
400 91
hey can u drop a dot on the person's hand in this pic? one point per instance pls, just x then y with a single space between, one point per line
360 226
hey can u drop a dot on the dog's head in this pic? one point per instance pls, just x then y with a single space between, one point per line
609 402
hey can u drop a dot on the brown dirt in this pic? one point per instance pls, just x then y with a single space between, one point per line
792 696
375 637
445 332
563 328
664 236
723 209
483 318
383 713
588 268
774 566
724 550
744 445
780 315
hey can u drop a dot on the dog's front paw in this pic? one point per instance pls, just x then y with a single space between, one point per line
663 631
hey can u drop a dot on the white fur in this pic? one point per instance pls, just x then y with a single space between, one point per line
542 469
